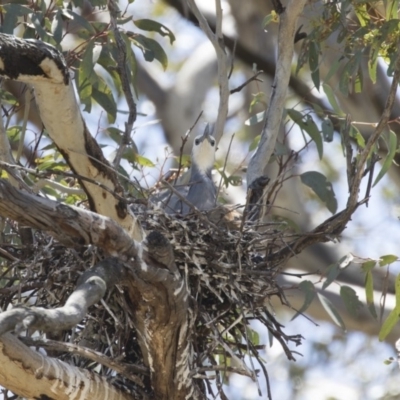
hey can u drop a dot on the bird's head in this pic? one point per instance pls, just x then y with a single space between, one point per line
203 152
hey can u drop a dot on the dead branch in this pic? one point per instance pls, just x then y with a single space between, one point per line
91 287
70 225
126 370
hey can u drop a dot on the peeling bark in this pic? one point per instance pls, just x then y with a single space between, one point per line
41 65
32 375
70 225
269 134
156 292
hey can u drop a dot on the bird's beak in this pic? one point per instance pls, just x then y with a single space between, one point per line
207 134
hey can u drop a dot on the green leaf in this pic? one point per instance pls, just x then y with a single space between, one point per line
351 300
43 34
143 161
151 49
12 13
256 119
368 266
358 81
321 187
333 272
369 293
106 100
82 22
327 129
332 71
394 316
309 293
253 336
86 69
115 134
372 68
57 26
344 80
331 310
356 134
154 26
392 9
397 291
306 123
332 100
267 19
362 14
390 322
311 128
388 259
313 62
389 158
8 98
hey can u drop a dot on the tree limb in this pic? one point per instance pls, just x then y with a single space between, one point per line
32 375
223 81
41 65
91 287
270 131
70 225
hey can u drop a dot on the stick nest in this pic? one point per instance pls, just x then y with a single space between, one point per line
226 274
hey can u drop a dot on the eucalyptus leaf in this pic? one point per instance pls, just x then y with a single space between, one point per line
321 187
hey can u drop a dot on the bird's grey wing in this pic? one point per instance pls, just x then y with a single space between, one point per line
203 195
170 202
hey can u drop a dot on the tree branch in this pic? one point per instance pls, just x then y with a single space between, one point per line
270 131
223 65
41 65
71 225
31 375
91 287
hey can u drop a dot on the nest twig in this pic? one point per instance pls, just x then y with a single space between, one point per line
221 268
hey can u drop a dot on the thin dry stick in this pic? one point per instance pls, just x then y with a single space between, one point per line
226 161
196 211
124 369
184 140
251 79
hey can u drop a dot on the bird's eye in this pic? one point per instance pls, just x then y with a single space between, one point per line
212 142
197 141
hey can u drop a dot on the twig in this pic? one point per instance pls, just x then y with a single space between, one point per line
226 161
374 159
41 174
184 140
253 78
127 370
188 203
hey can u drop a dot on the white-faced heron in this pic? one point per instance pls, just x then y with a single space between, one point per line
201 191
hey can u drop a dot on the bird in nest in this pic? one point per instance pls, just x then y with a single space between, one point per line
200 191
